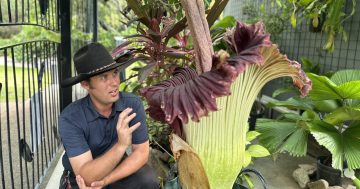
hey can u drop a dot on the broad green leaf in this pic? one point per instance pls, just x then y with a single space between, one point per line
247 158
355 103
309 115
296 144
350 90
284 90
258 151
226 22
342 114
326 105
251 135
290 116
274 133
341 145
326 89
283 136
292 103
323 88
351 137
327 136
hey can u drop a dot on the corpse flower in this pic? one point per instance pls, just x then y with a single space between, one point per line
210 110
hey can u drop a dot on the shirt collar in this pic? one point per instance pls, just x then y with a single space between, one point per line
90 111
92 114
119 105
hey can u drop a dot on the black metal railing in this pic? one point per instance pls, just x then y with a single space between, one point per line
29 107
30 12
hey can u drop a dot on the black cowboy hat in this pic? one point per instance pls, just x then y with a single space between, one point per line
90 60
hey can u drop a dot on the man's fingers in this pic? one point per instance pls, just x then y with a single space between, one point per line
134 127
97 184
128 119
123 115
80 181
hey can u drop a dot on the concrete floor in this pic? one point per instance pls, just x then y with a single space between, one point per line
54 180
278 174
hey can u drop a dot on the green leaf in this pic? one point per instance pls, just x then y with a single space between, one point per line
249 181
290 116
326 89
309 115
258 151
251 135
323 88
350 90
351 137
226 22
296 144
326 105
307 64
278 2
284 90
247 159
262 8
292 103
274 133
342 114
283 136
305 2
344 76
341 145
293 20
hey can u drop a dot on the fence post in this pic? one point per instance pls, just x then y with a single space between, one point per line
65 52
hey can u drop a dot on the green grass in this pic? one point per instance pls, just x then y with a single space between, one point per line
19 82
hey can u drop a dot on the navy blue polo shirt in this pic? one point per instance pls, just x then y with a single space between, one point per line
82 128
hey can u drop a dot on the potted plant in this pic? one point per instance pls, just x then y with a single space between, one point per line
330 114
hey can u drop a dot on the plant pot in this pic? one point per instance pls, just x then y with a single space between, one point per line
331 175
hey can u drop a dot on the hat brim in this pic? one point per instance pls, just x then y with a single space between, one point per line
83 76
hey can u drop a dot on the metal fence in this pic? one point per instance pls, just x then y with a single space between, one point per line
30 12
301 43
29 95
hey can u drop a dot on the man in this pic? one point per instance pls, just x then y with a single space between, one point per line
97 129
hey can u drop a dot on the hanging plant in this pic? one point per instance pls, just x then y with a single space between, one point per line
330 13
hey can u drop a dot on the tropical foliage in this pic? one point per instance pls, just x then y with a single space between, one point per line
208 107
331 13
331 114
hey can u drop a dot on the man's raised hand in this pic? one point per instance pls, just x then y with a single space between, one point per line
123 130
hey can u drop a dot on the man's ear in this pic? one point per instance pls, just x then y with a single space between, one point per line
85 85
